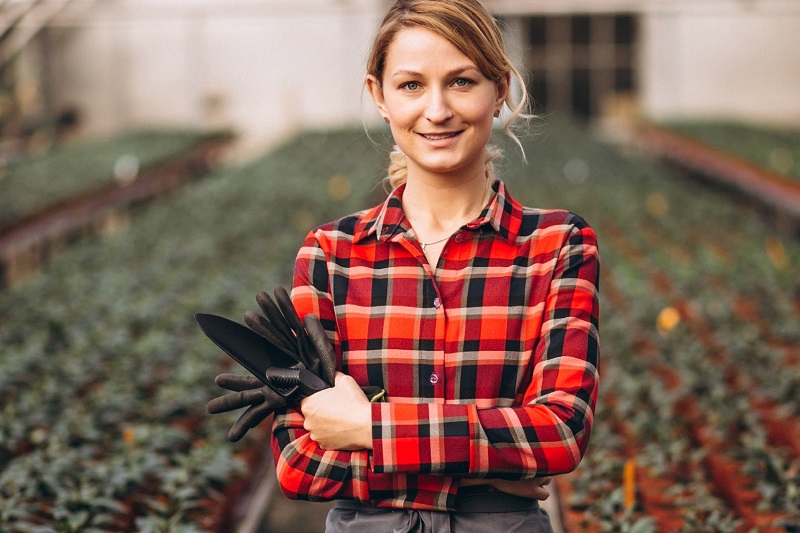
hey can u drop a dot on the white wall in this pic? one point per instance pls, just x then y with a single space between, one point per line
268 67
732 59
264 67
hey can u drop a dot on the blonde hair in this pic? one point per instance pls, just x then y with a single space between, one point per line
475 33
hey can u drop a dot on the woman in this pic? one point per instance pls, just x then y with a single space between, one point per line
478 316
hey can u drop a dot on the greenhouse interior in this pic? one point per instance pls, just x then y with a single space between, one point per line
164 158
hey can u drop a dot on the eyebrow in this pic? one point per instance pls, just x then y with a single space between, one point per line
454 72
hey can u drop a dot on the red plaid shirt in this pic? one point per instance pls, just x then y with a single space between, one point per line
490 362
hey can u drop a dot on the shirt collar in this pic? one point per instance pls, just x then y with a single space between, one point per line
387 220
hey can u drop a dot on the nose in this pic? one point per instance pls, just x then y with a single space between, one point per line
437 108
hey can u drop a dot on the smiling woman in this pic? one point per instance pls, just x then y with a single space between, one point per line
439 105
468 29
478 316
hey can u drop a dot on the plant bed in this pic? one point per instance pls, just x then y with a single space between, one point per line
34 183
102 363
677 256
775 192
111 322
777 150
725 476
29 241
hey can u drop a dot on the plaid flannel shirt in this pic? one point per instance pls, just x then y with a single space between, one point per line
490 361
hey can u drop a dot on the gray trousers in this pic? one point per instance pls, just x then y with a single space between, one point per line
352 517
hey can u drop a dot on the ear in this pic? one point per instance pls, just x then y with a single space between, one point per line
376 92
503 86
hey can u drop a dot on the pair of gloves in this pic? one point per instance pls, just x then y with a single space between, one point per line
307 342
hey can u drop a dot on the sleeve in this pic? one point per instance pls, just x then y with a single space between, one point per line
304 470
549 432
307 472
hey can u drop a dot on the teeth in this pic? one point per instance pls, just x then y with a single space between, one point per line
439 137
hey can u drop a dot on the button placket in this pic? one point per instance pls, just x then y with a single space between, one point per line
435 377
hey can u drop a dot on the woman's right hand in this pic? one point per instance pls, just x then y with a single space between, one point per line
339 418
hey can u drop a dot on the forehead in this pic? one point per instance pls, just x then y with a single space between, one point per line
418 48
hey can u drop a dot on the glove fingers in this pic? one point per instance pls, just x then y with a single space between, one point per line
240 428
286 306
324 349
253 417
235 400
235 382
263 327
275 317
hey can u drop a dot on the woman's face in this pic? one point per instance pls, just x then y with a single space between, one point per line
439 105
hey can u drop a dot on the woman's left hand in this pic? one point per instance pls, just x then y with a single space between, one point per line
339 418
535 488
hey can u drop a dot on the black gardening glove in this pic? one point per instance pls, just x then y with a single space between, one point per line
260 400
281 323
306 342
314 350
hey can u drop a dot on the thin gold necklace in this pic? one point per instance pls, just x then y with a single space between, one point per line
424 244
485 199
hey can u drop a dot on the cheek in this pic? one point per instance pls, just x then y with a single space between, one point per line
400 110
480 111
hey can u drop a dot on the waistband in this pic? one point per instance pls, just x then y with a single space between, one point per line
470 500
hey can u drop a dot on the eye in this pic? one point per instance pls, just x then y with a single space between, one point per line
410 86
462 82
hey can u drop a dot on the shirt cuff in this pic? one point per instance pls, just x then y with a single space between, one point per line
359 462
422 438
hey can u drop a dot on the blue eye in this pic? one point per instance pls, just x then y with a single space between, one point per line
410 86
462 82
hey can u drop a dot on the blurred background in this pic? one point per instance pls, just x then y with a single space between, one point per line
266 68
160 158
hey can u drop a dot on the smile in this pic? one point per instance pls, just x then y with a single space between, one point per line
439 137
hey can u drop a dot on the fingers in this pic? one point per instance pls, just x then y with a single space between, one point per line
235 382
535 488
275 317
266 329
319 338
542 492
234 401
254 415
293 320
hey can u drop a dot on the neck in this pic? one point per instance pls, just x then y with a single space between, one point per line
437 208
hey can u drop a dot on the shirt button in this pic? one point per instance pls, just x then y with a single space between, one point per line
459 238
436 303
434 379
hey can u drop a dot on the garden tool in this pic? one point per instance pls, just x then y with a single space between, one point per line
308 337
289 359
280 371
